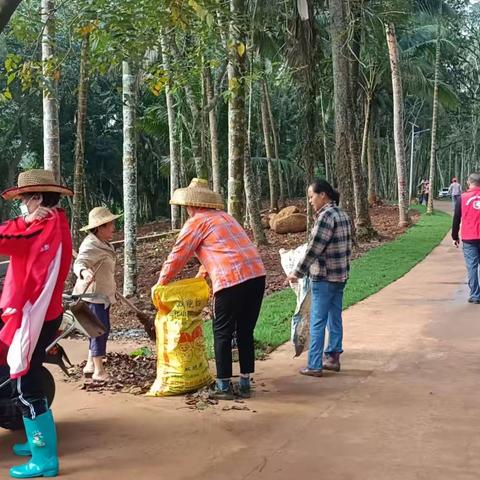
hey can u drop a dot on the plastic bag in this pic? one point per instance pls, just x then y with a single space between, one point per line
300 334
182 364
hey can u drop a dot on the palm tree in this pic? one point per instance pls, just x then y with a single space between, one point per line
398 126
433 147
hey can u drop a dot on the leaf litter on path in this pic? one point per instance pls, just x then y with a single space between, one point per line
135 374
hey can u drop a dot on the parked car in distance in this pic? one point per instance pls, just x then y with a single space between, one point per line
443 193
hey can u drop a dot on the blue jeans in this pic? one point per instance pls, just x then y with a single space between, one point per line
471 252
325 311
455 199
98 345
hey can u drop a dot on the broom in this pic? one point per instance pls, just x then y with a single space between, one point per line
145 319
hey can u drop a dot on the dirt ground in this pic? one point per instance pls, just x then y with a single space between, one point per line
404 406
152 254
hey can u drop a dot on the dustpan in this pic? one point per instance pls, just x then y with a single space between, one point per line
86 321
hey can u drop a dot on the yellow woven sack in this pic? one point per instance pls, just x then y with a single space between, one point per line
182 364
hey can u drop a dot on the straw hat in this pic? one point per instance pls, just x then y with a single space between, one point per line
99 216
197 194
36 180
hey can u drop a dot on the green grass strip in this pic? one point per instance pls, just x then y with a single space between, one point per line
370 273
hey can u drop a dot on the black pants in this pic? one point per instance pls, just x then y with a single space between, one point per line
27 391
236 309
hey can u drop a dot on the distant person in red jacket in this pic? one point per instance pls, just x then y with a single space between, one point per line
466 220
39 245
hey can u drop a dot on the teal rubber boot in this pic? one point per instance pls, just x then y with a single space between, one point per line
42 438
22 449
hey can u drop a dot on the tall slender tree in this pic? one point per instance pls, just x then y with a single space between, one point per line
433 144
172 133
79 171
341 89
398 126
267 130
273 127
212 124
130 93
51 130
236 109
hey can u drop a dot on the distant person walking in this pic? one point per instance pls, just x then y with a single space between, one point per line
455 191
423 189
426 191
466 220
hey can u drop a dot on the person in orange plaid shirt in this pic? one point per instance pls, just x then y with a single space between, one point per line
237 274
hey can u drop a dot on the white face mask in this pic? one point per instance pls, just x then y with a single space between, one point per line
24 208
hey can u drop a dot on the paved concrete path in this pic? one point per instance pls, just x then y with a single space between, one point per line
405 405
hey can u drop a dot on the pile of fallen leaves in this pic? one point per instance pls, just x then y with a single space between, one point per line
128 374
202 399
135 374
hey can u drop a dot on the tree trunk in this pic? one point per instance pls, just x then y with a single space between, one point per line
343 120
51 131
363 223
196 135
7 7
212 123
236 111
398 132
172 136
194 130
254 217
129 84
324 138
433 146
272 174
366 131
276 149
79 171
372 172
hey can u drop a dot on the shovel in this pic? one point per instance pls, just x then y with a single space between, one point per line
145 319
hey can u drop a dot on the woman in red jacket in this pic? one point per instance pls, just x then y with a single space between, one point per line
39 245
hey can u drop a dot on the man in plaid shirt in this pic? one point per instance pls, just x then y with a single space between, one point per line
237 273
326 263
